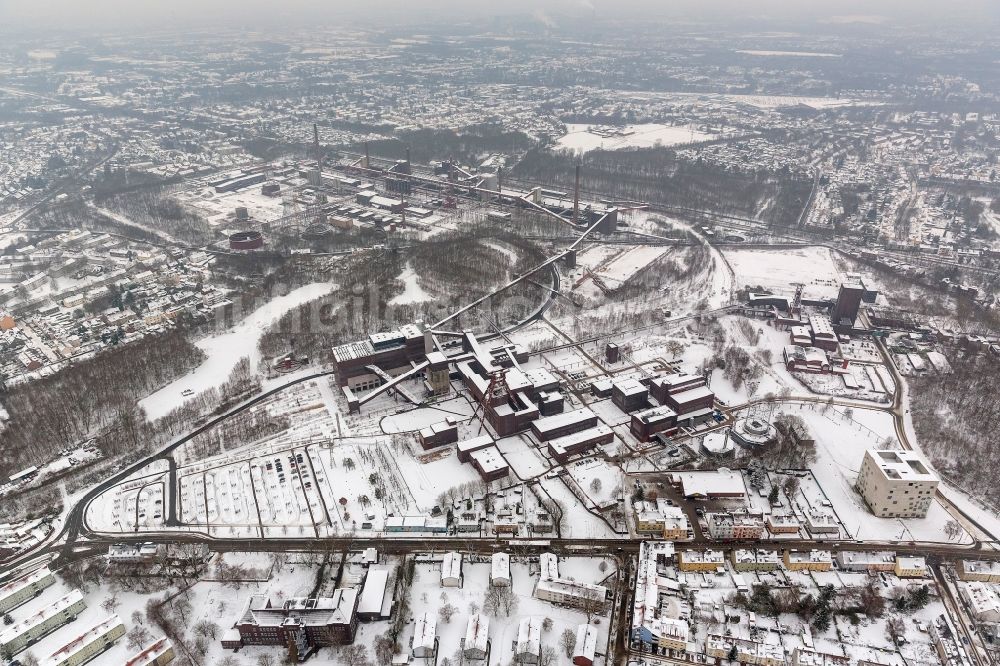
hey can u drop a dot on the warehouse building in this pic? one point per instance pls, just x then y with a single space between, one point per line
563 447
560 425
652 421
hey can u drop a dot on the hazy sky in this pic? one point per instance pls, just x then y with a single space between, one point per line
153 14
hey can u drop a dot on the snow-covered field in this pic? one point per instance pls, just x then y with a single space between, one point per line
225 350
840 446
582 138
779 269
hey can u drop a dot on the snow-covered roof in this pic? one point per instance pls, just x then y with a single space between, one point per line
477 633
529 636
373 592
549 565
586 642
451 566
70 652
424 632
500 566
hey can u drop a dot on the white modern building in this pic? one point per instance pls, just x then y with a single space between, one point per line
896 484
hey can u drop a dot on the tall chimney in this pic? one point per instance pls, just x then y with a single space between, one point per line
368 159
576 197
319 163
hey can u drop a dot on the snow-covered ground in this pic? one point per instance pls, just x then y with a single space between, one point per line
412 292
780 269
840 447
224 350
580 137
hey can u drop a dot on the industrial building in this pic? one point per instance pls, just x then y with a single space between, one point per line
562 448
652 421
629 394
896 484
439 434
560 425
393 352
490 463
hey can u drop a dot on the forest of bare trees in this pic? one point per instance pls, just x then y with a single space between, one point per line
658 175
956 417
94 397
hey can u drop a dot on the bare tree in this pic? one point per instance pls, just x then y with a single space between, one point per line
137 636
446 612
568 641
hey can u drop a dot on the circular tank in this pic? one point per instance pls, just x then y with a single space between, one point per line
246 240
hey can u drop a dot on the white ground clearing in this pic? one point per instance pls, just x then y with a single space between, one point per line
581 139
779 269
413 292
225 350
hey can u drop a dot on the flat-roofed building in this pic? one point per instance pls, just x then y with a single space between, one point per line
701 560
910 567
808 560
372 604
439 434
850 560
982 599
561 448
896 484
87 645
20 590
692 403
490 463
782 523
653 421
560 425
466 447
19 636
161 652
985 571
629 394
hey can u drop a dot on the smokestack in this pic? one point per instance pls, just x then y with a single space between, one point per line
407 157
319 163
368 159
576 197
